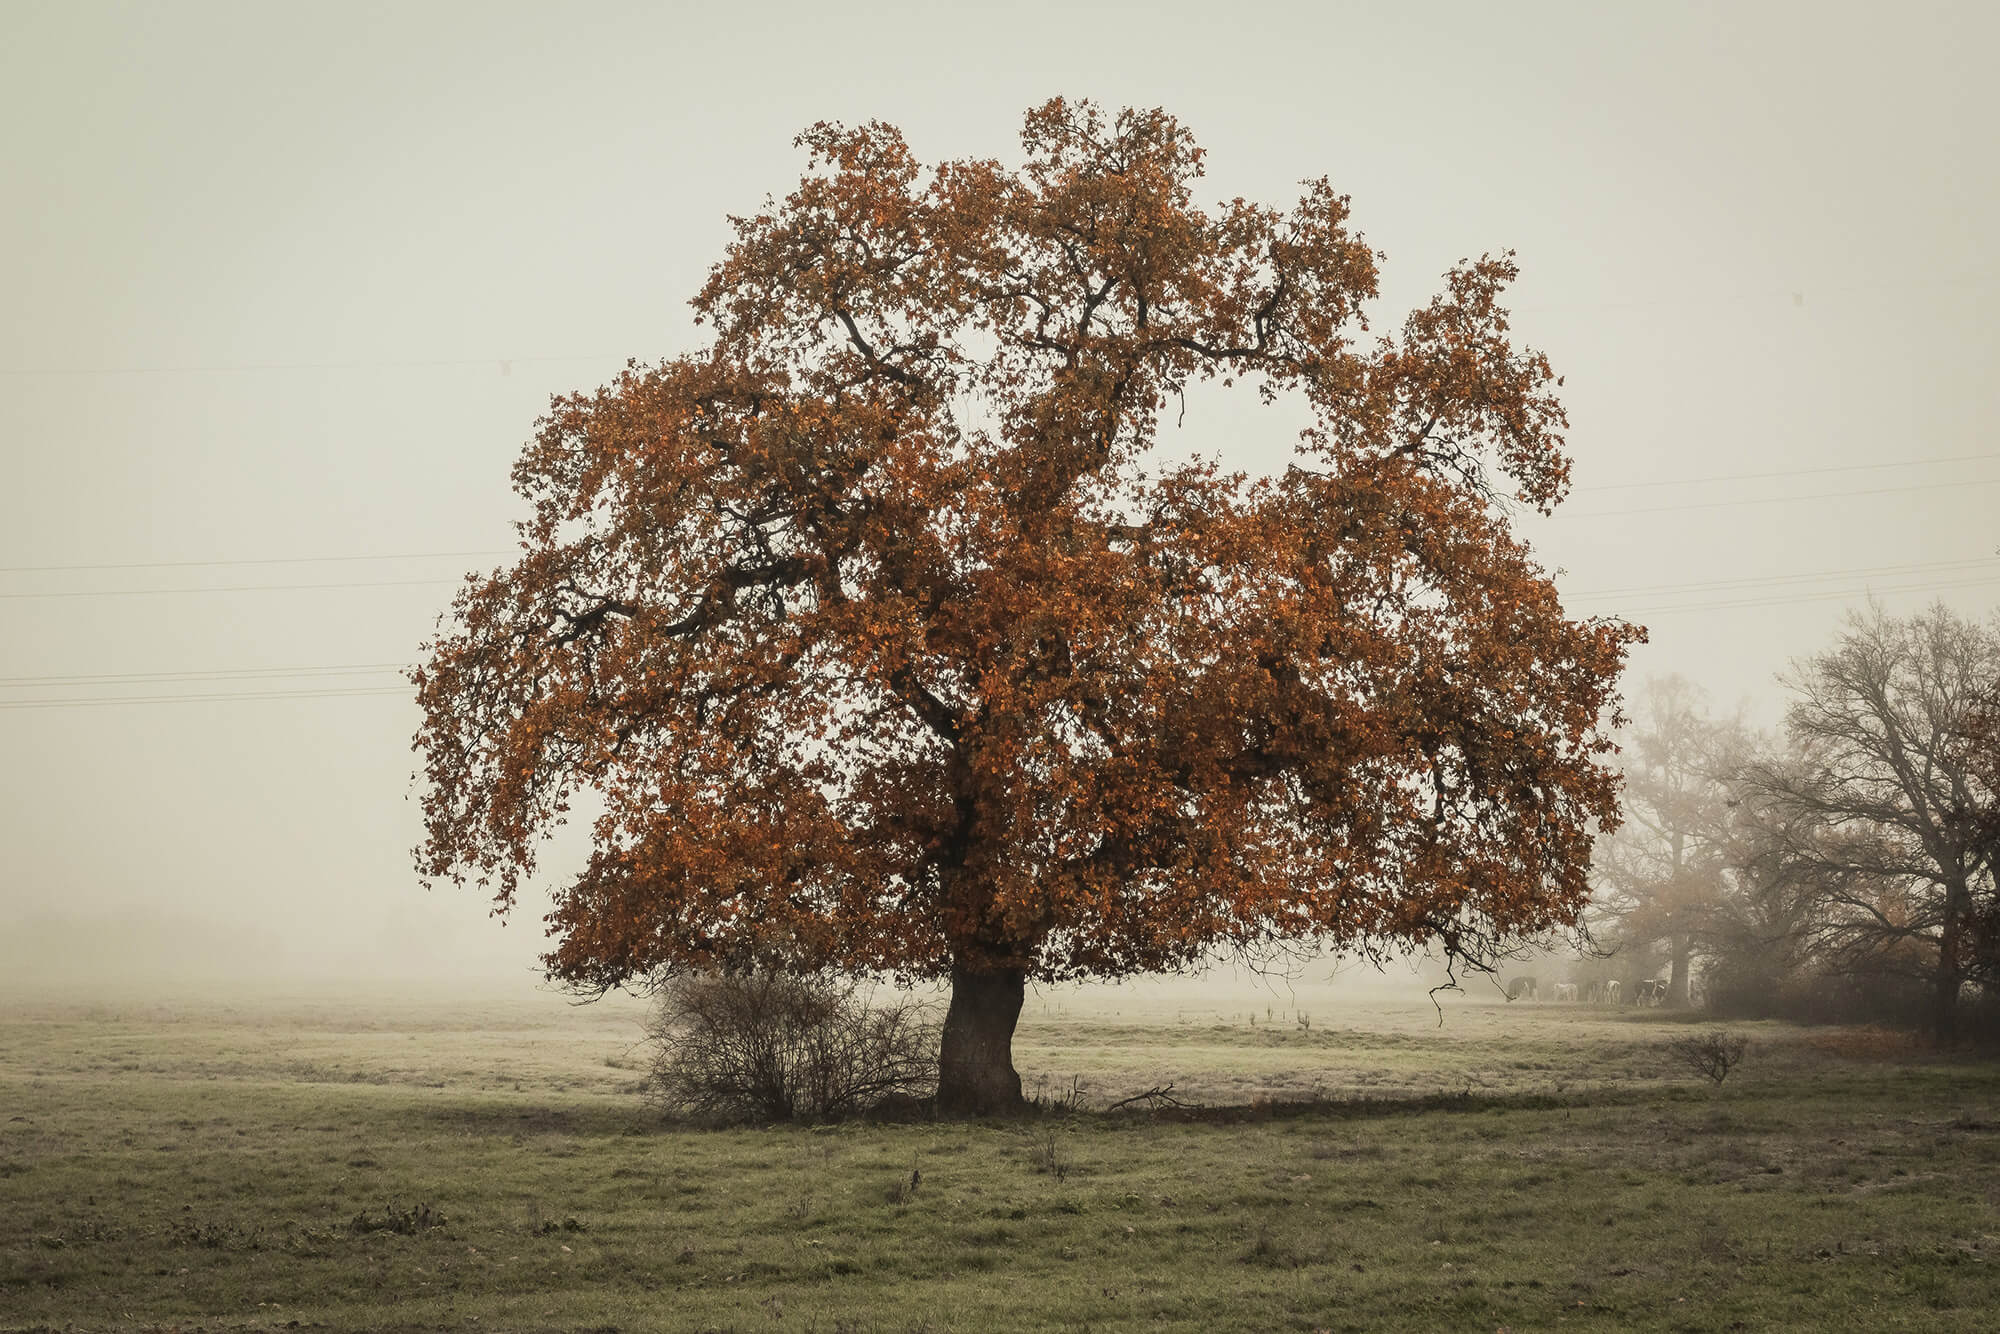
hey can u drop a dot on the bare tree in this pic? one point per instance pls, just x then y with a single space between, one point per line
1978 748
1761 937
1883 806
1661 878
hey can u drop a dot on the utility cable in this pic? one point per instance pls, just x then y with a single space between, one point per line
1829 595
404 691
95 701
256 560
232 588
225 674
1753 581
504 364
1788 472
1778 500
1605 486
1795 296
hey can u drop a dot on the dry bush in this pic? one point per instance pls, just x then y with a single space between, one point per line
1712 1054
768 1046
1061 1102
408 1222
901 1192
1050 1158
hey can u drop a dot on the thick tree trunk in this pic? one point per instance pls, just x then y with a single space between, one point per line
976 1075
1944 1006
1951 968
1677 981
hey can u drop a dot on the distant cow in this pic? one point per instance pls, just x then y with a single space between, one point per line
1523 988
1566 991
1650 991
1594 994
1613 993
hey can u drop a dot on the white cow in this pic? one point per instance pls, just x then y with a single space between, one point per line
1612 992
1566 991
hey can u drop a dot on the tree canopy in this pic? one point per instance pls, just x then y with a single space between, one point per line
893 638
1885 807
1663 878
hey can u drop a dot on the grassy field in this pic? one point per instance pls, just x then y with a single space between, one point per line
491 1167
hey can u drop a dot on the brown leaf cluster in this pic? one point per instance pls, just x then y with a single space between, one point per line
891 637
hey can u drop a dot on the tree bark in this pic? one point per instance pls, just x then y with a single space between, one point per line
1944 1006
976 1075
1678 980
1951 967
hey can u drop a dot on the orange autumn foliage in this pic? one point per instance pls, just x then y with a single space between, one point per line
892 641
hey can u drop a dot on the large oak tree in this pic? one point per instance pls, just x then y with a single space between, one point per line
891 640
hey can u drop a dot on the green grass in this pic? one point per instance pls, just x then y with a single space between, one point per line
1520 1167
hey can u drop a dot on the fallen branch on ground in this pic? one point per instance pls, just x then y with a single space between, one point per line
1160 1095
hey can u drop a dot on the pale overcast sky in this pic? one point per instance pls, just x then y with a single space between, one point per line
285 287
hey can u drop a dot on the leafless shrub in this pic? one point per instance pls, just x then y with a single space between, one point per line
778 1047
1059 1102
902 1192
549 1226
1049 1157
408 1222
1713 1054
1268 1252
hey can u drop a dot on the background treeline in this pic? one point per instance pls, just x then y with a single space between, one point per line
1842 869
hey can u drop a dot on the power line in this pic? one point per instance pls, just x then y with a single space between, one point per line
482 554
1721 585
503 364
221 674
429 555
1717 585
256 560
88 701
256 674
1789 472
231 588
1795 296
1829 595
1780 500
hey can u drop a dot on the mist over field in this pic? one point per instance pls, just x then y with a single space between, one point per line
306 308
292 285
145 960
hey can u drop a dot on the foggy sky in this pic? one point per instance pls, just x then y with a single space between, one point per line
289 281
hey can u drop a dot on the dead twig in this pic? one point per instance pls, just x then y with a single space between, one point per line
1160 1096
